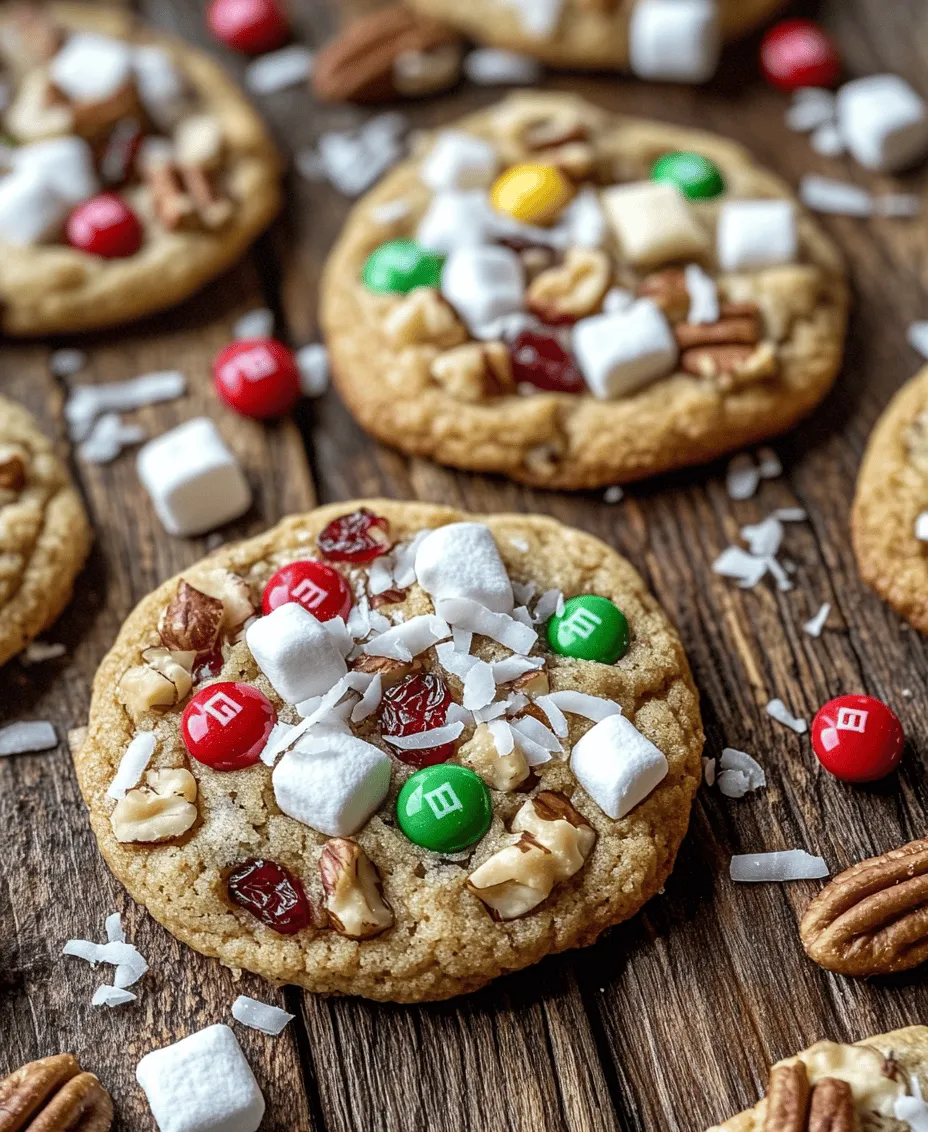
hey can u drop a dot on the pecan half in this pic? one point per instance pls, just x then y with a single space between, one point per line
191 621
872 919
741 328
787 1098
52 1095
832 1108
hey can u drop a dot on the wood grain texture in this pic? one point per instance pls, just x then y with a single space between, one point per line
670 1022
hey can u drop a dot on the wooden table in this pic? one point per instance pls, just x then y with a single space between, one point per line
670 1021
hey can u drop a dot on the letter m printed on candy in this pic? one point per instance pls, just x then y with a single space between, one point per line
222 708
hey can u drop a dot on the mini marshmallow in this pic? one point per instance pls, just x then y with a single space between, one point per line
621 352
194 480
64 164
332 782
295 652
654 223
30 210
459 161
202 1084
757 233
883 122
91 67
484 284
461 560
617 766
456 219
160 85
674 40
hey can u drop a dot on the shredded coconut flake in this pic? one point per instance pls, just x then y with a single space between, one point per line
777 710
278 735
279 70
505 671
739 773
742 478
811 107
107 439
113 928
547 605
744 568
257 323
823 194
26 738
66 363
503 738
827 141
312 361
466 614
260 1015
918 337
370 701
106 995
708 771
132 764
768 464
765 538
391 211
87 402
353 160
37 652
613 494
423 740
594 708
791 864
403 642
494 66
815 626
479 686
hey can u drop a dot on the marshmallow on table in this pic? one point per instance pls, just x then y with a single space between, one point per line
64 164
160 85
883 122
295 652
456 219
459 161
332 782
462 560
30 209
674 40
623 351
753 234
193 479
484 284
653 223
617 766
91 67
202 1084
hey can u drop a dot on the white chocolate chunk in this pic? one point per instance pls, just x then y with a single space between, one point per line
194 480
30 210
65 165
617 765
295 652
883 122
653 223
462 560
674 40
332 782
91 67
484 284
202 1084
621 352
459 161
753 234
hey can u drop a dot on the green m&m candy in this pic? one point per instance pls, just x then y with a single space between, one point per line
694 175
445 808
590 628
399 266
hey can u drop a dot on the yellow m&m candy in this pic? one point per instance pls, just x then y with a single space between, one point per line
531 194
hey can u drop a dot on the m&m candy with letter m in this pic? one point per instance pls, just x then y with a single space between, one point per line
857 738
226 726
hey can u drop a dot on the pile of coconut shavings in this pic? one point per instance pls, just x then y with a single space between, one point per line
736 773
129 963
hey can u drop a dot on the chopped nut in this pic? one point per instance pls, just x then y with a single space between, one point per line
515 879
389 671
668 289
229 588
388 597
474 371
534 683
573 289
501 772
37 111
424 318
162 681
354 899
832 1108
158 170
161 809
191 621
553 822
13 464
728 331
734 365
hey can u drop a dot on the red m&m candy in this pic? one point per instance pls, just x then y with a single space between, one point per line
226 726
857 738
249 26
317 587
105 226
258 378
796 53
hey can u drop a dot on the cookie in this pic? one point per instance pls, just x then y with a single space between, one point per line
139 170
521 298
578 34
891 497
877 1083
44 533
475 841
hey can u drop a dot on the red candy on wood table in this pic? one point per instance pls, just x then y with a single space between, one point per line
257 378
105 226
417 703
271 895
321 590
797 53
226 726
857 738
249 26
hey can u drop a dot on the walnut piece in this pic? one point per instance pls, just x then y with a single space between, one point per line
161 682
572 290
534 683
191 621
354 899
13 463
229 588
474 371
423 318
500 772
738 324
390 671
159 810
553 822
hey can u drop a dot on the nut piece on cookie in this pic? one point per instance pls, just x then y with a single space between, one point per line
499 772
161 682
553 822
624 351
191 621
653 223
668 290
14 460
295 652
423 317
354 899
475 371
571 290
390 671
161 809
231 589
617 765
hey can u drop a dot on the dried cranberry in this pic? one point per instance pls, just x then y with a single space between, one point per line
417 703
359 537
209 664
540 360
271 895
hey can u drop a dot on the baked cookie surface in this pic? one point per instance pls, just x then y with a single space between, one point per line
44 532
876 1084
892 493
583 35
545 868
419 373
145 117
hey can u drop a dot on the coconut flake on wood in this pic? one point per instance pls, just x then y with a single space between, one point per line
466 614
258 323
278 70
66 363
87 402
824 194
614 494
312 362
110 996
708 771
739 773
27 738
768 464
737 564
108 436
816 624
790 864
259 1015
765 538
742 478
135 759
811 108
777 710
37 652
494 66
827 141
113 928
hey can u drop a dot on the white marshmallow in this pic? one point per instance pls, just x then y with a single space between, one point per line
456 219
295 652
91 67
461 560
753 234
459 161
193 478
654 223
202 1084
160 85
64 164
674 40
484 284
332 783
883 122
30 210
617 766
621 352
